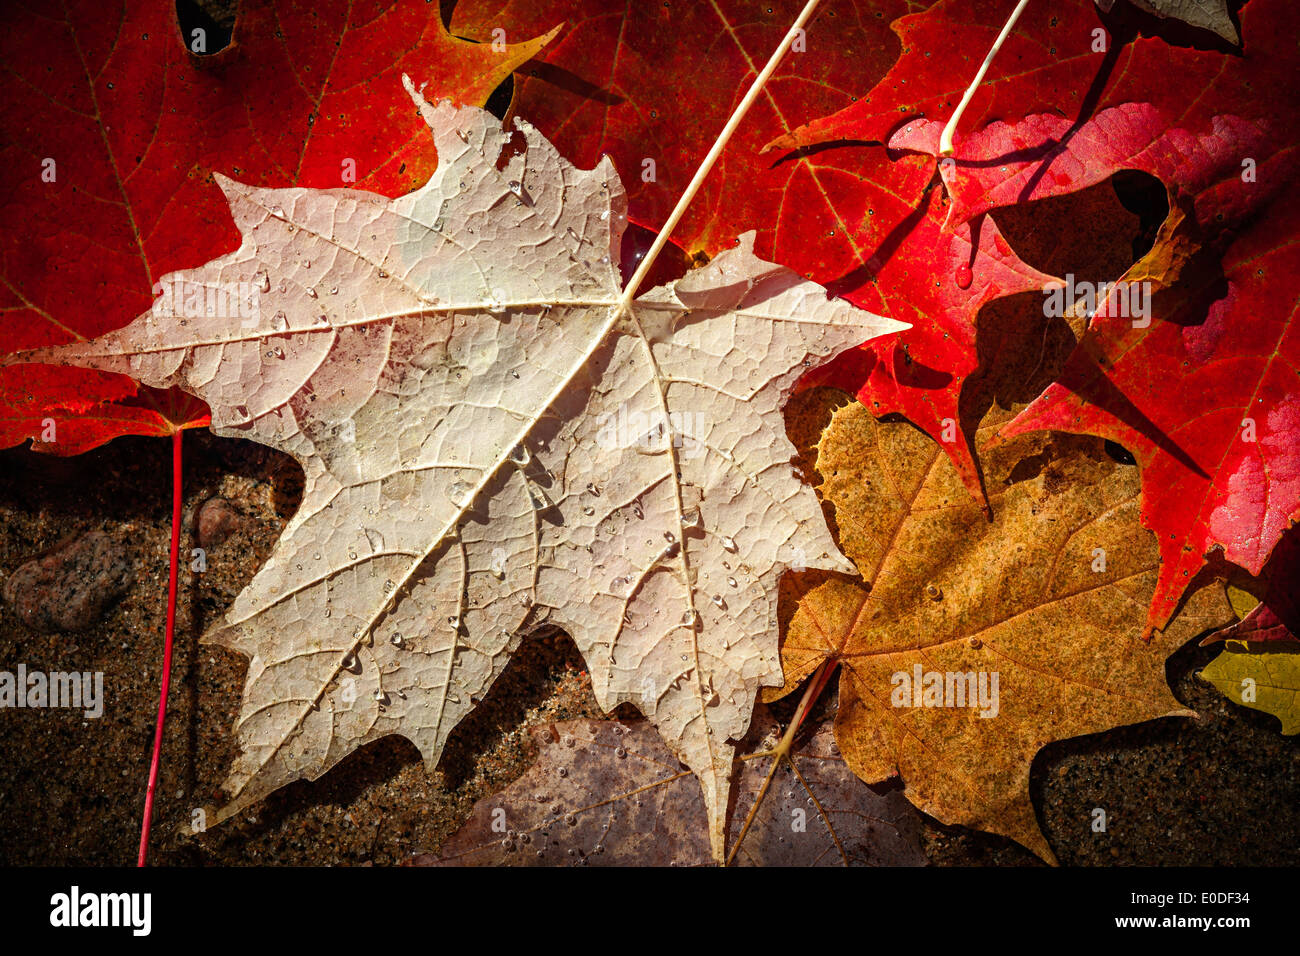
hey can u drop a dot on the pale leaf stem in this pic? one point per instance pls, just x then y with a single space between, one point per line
661 240
945 140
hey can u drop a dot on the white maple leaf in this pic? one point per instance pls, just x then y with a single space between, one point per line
491 442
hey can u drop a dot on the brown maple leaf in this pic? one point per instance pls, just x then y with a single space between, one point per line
970 644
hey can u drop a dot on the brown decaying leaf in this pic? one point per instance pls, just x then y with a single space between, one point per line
949 592
606 793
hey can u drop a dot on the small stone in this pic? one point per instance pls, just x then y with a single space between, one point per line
217 520
69 587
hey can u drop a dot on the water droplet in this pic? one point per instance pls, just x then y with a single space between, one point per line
460 493
669 537
334 290
515 187
563 771
691 618
311 293
636 510
514 373
375 539
935 593
593 490
397 640
729 543
263 282
731 583
352 555
278 352
620 753
717 599
964 277
520 455
589 511
571 820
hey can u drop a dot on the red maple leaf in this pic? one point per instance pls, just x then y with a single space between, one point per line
1207 397
1066 57
1206 394
652 84
936 279
111 128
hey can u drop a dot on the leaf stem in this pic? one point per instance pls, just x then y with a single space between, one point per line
661 240
783 748
173 574
945 139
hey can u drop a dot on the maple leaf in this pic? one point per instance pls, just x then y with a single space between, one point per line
1263 675
1051 61
113 126
1027 625
1184 393
490 443
937 280
609 794
1205 395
